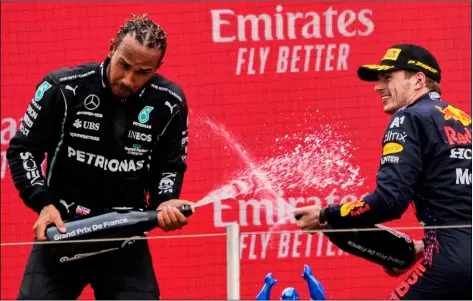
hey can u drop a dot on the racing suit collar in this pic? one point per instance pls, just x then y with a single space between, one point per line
103 73
103 77
431 95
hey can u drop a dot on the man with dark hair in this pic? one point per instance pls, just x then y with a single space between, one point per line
115 134
426 158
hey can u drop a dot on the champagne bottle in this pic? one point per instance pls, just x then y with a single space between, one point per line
102 233
380 245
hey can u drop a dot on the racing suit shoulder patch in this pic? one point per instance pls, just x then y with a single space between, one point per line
450 112
175 91
65 75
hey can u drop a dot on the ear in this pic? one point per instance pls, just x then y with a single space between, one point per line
111 48
420 80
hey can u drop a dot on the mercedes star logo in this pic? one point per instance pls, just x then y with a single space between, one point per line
92 102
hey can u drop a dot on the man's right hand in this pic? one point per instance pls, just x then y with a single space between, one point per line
48 215
169 217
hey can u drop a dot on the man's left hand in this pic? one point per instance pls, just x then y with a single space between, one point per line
310 219
170 218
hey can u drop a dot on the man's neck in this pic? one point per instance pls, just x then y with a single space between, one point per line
416 95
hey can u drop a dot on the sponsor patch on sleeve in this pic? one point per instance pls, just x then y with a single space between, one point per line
45 86
392 148
354 208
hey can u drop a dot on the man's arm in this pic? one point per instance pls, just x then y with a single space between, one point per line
168 163
36 135
400 167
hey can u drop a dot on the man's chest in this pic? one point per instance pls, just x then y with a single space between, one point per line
107 127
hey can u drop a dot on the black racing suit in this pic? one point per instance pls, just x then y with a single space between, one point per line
102 152
426 159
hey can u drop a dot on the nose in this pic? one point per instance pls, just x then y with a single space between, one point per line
378 86
128 80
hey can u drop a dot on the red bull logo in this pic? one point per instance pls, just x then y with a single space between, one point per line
453 113
455 137
354 208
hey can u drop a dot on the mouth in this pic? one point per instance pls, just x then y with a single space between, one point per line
385 98
125 90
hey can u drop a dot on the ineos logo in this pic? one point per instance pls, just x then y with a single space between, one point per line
139 136
92 102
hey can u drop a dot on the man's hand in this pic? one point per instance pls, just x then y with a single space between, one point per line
419 253
170 218
310 216
48 215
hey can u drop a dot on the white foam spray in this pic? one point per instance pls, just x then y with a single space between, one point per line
301 162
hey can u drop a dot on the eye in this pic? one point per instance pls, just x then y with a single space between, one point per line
143 72
124 65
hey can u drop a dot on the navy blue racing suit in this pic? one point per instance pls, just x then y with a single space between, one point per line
426 159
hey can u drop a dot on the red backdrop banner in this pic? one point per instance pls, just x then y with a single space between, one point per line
276 108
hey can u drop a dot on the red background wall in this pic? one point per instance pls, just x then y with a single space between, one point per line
340 114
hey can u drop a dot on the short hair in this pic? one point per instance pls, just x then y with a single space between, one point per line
145 31
430 83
